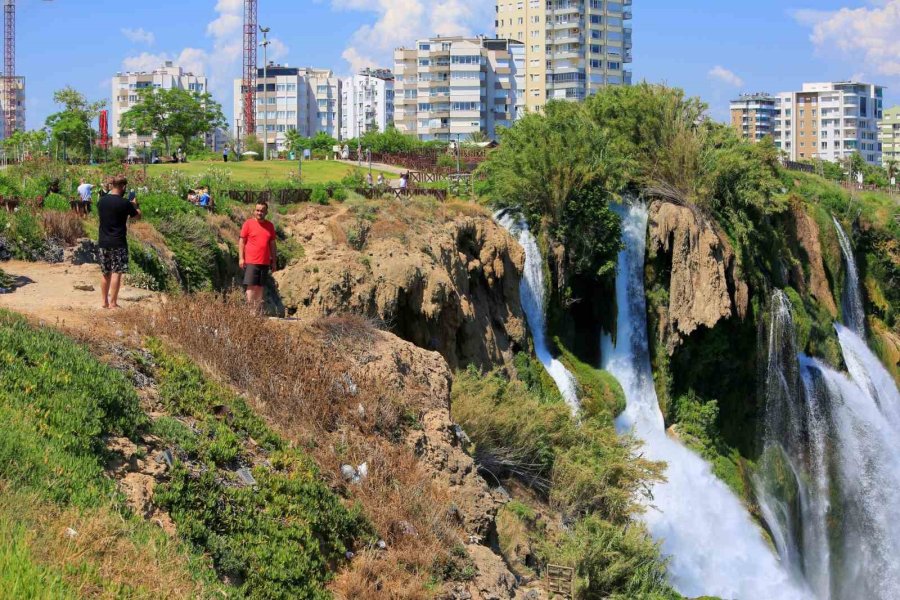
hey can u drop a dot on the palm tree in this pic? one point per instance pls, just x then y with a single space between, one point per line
891 166
478 137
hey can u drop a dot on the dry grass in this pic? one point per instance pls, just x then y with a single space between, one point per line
296 378
65 226
109 557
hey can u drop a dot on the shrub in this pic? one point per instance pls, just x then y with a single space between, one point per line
56 202
339 194
22 233
319 195
65 226
202 264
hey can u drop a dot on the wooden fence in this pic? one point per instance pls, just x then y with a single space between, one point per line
299 196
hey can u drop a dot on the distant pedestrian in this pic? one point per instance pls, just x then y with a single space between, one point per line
369 181
85 193
114 211
257 253
404 183
225 152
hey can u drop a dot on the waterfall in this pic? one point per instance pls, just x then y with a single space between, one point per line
532 292
851 302
829 473
714 546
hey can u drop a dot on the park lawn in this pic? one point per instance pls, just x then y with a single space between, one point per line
259 172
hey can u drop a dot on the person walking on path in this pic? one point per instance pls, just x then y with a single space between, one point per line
114 211
85 191
257 254
225 152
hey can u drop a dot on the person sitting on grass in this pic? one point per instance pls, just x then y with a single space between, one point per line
204 200
257 254
193 197
114 211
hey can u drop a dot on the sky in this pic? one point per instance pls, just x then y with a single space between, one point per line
714 49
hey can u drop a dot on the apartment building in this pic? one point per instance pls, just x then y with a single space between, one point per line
18 84
890 136
830 121
453 86
301 99
572 47
753 115
367 102
125 88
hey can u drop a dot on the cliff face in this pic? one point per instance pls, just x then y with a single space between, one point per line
703 287
449 284
813 278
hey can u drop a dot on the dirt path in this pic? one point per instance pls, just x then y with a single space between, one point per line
60 294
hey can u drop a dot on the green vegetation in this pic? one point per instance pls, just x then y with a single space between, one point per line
172 115
601 395
584 470
277 539
258 173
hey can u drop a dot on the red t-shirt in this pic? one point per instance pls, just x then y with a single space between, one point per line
257 238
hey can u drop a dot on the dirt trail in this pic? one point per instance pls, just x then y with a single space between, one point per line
60 294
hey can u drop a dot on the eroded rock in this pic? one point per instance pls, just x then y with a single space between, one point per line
807 234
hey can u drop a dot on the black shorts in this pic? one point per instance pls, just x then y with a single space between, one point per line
255 275
113 260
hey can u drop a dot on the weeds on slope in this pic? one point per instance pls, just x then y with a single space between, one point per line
302 381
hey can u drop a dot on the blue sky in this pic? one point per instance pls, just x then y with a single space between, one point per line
712 48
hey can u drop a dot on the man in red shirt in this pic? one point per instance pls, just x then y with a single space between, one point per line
257 254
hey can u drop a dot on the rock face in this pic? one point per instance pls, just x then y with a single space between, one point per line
703 288
806 232
449 285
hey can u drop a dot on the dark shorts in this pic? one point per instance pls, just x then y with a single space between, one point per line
255 275
113 260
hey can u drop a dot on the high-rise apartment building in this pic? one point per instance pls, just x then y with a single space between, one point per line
125 88
572 47
890 135
367 102
303 99
19 84
753 115
453 86
830 121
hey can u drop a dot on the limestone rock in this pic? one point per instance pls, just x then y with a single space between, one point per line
806 232
451 286
494 581
704 288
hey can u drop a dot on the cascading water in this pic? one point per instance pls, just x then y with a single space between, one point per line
714 546
531 290
854 314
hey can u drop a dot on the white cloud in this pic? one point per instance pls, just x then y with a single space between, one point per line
139 36
723 75
402 22
868 37
192 59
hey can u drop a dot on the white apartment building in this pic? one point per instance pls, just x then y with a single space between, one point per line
572 47
367 102
449 87
830 121
125 88
300 99
19 86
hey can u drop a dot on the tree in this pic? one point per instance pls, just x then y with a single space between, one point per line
478 137
71 127
322 142
173 113
22 144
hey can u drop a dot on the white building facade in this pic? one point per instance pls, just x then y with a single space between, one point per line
367 103
125 89
300 99
452 87
830 121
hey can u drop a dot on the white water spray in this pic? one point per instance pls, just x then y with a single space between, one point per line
714 545
532 291
851 303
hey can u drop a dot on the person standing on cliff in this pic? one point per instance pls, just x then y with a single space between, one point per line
257 254
114 211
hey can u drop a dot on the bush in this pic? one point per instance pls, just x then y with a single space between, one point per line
201 262
22 235
319 195
278 539
65 226
339 194
56 202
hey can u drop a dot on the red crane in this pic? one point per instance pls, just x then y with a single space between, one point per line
248 87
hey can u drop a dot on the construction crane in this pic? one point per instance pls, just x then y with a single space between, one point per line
251 19
10 80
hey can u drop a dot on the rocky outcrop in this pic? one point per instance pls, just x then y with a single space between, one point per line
448 284
704 288
814 280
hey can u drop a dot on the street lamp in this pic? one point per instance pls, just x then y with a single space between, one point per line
265 45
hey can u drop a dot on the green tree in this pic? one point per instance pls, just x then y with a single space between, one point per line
71 127
172 114
322 142
25 143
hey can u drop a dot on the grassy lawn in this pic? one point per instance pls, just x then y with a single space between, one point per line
258 172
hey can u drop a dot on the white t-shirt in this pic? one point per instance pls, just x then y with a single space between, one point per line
84 191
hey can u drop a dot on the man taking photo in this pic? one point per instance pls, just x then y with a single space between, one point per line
257 254
114 211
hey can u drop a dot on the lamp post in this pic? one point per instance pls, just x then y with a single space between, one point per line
145 160
265 45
